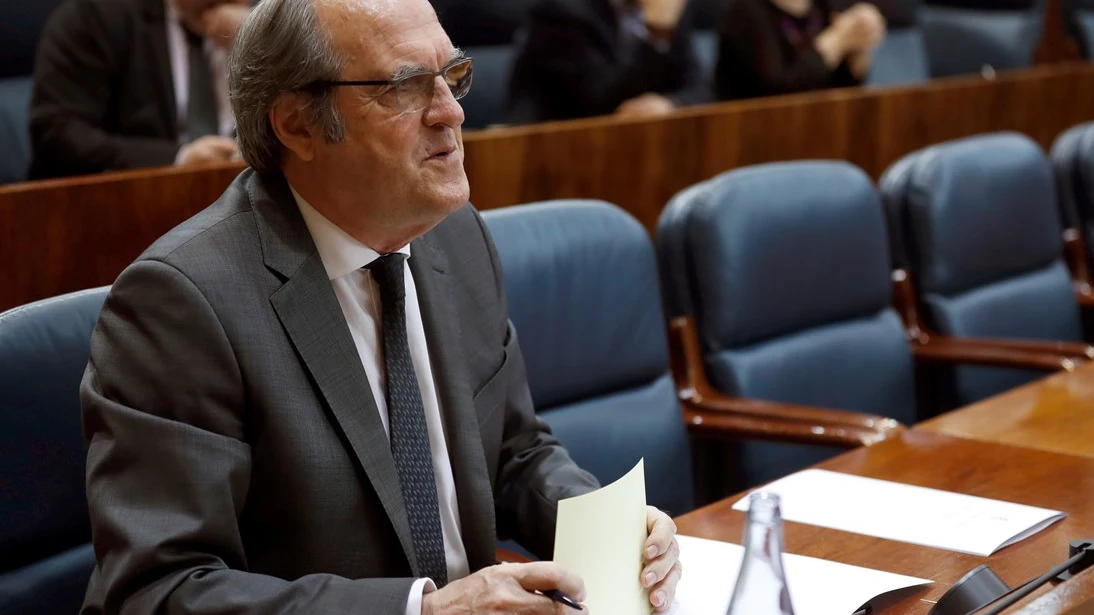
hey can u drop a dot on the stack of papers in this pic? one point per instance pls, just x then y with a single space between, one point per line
817 587
905 513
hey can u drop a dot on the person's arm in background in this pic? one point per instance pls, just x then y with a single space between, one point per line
695 86
750 58
570 58
77 66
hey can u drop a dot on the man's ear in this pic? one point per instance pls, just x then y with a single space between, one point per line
290 117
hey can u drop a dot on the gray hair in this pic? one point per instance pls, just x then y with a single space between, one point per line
281 47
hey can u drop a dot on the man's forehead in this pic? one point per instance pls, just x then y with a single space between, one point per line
388 35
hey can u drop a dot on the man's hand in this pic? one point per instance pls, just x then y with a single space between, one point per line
221 22
210 148
505 589
662 557
863 28
662 15
646 105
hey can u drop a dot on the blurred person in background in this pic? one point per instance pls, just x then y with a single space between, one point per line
579 58
769 47
121 84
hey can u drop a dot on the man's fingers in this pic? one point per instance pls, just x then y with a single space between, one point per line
542 576
662 594
659 568
661 532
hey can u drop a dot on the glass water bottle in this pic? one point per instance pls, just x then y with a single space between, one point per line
761 584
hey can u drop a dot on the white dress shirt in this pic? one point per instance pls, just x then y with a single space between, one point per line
359 297
180 72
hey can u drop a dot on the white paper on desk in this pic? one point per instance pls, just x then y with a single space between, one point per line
817 587
906 513
599 536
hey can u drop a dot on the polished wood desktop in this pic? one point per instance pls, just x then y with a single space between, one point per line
66 235
1053 414
988 469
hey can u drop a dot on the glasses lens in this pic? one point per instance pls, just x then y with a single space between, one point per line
415 93
458 78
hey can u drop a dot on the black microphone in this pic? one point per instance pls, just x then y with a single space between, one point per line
983 589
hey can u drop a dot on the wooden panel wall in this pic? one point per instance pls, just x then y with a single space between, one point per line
65 235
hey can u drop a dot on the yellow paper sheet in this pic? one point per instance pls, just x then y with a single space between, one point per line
600 536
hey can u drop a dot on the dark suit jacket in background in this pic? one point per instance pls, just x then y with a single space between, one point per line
237 461
103 91
756 59
574 61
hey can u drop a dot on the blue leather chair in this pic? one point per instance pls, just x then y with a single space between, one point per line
705 43
1079 21
901 58
45 555
21 24
978 228
581 281
784 269
14 129
964 36
483 105
1073 163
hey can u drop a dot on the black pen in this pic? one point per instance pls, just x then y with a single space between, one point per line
562 598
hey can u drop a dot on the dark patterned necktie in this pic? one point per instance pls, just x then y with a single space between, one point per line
406 418
202 117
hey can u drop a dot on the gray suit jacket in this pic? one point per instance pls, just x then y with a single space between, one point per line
237 462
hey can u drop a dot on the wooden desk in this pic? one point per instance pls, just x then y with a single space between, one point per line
65 235
1053 414
1026 476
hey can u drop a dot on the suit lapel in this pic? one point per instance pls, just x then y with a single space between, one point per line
442 326
310 313
155 32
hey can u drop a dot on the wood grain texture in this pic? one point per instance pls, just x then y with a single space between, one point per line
66 235
987 469
1053 414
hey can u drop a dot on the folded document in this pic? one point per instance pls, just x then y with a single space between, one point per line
905 513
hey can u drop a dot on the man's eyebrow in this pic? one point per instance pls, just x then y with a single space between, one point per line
409 70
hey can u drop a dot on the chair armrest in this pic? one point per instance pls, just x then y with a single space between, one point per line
708 412
505 556
1046 356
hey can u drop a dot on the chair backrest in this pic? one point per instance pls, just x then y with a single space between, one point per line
14 129
964 36
581 280
785 269
45 558
1073 163
21 23
705 43
901 58
1079 19
484 104
981 235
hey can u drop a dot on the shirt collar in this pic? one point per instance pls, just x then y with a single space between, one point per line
340 252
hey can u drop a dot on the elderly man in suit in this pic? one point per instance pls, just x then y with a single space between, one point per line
122 84
309 398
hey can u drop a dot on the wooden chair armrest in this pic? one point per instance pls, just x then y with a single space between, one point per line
734 417
1046 356
505 556
710 413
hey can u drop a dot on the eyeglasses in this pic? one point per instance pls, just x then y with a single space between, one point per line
414 93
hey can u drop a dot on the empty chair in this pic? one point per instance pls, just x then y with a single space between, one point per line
965 36
45 555
784 270
581 283
483 105
901 58
1073 164
978 228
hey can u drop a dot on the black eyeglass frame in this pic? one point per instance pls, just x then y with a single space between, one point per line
395 83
